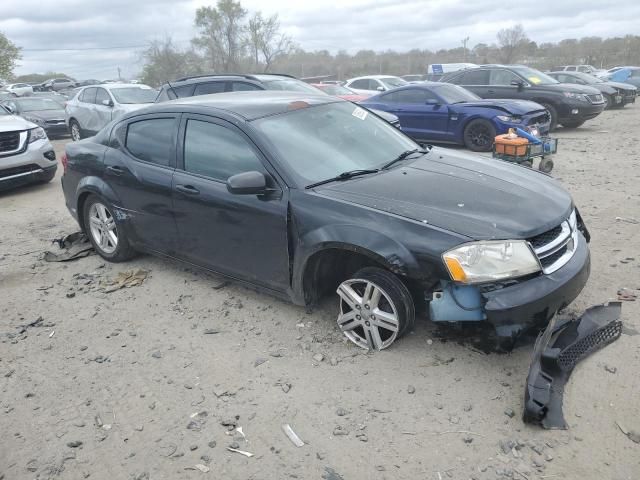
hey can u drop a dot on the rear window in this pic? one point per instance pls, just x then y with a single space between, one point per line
152 140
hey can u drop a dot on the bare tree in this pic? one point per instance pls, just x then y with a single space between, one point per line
221 34
266 40
164 62
511 42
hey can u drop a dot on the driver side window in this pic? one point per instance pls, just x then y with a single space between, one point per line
217 152
503 77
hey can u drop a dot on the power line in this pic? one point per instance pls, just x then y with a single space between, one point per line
80 49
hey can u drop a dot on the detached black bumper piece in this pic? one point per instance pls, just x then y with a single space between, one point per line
557 351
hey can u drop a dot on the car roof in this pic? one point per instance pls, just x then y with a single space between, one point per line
263 77
250 105
115 86
376 77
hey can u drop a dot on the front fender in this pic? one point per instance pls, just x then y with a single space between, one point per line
375 245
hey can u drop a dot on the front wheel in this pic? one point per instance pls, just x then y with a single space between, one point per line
376 308
553 114
106 235
479 135
76 132
607 101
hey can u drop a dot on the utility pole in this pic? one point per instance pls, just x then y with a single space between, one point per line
464 47
119 77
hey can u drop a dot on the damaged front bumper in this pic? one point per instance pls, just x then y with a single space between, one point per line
557 351
519 306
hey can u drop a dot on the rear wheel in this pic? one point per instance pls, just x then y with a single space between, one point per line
76 132
376 308
553 113
479 135
105 233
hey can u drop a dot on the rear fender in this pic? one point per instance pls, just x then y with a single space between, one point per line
97 186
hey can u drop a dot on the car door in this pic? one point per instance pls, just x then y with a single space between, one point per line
501 84
422 115
84 113
139 169
103 108
244 236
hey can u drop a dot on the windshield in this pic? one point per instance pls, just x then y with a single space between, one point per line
393 82
336 90
534 77
590 79
316 143
291 85
455 94
36 104
134 95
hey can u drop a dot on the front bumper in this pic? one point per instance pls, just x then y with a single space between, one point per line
37 163
580 111
56 130
532 303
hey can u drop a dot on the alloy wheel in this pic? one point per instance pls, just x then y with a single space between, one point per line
103 228
479 135
75 132
367 316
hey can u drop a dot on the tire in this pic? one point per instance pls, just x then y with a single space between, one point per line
376 308
98 216
479 135
574 124
546 165
75 130
554 115
607 101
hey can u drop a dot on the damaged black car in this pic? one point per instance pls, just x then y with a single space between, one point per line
304 196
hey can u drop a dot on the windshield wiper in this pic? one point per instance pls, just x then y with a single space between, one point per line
402 156
344 176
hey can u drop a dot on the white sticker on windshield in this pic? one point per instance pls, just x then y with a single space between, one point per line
360 113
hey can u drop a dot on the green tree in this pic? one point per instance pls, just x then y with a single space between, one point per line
9 56
222 34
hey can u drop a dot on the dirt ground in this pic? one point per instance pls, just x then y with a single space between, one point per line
146 382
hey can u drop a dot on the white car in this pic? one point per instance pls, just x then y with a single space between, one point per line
19 89
94 106
26 155
373 84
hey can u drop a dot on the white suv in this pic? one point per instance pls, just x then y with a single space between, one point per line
374 84
95 106
26 155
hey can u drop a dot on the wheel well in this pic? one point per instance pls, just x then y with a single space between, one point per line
327 268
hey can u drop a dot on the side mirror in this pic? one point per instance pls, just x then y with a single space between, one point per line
380 89
107 103
518 84
9 108
432 101
247 183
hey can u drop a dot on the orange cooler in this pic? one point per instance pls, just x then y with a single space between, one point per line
511 146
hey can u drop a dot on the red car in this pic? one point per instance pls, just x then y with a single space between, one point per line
340 92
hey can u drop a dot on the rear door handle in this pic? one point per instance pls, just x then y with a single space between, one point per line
115 170
188 189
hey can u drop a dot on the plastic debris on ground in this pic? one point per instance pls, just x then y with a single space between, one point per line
126 279
73 246
295 439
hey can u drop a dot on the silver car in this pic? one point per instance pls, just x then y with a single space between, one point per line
26 155
95 106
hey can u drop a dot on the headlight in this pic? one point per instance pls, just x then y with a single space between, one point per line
509 119
490 261
576 96
36 134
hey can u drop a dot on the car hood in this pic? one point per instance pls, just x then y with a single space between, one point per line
10 123
621 86
515 107
46 114
572 87
474 196
354 97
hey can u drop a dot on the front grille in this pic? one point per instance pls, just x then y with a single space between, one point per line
555 247
8 172
597 98
55 122
9 141
541 119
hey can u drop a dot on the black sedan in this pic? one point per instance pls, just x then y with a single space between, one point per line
44 112
616 94
301 195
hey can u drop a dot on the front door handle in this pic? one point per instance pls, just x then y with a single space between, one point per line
491 91
188 189
115 170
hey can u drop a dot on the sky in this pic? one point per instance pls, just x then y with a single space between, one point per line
79 37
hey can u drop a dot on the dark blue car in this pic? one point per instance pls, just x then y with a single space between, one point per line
446 113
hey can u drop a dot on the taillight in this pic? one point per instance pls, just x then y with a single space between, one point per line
65 161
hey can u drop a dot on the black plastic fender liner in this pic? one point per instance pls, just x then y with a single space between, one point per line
557 351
